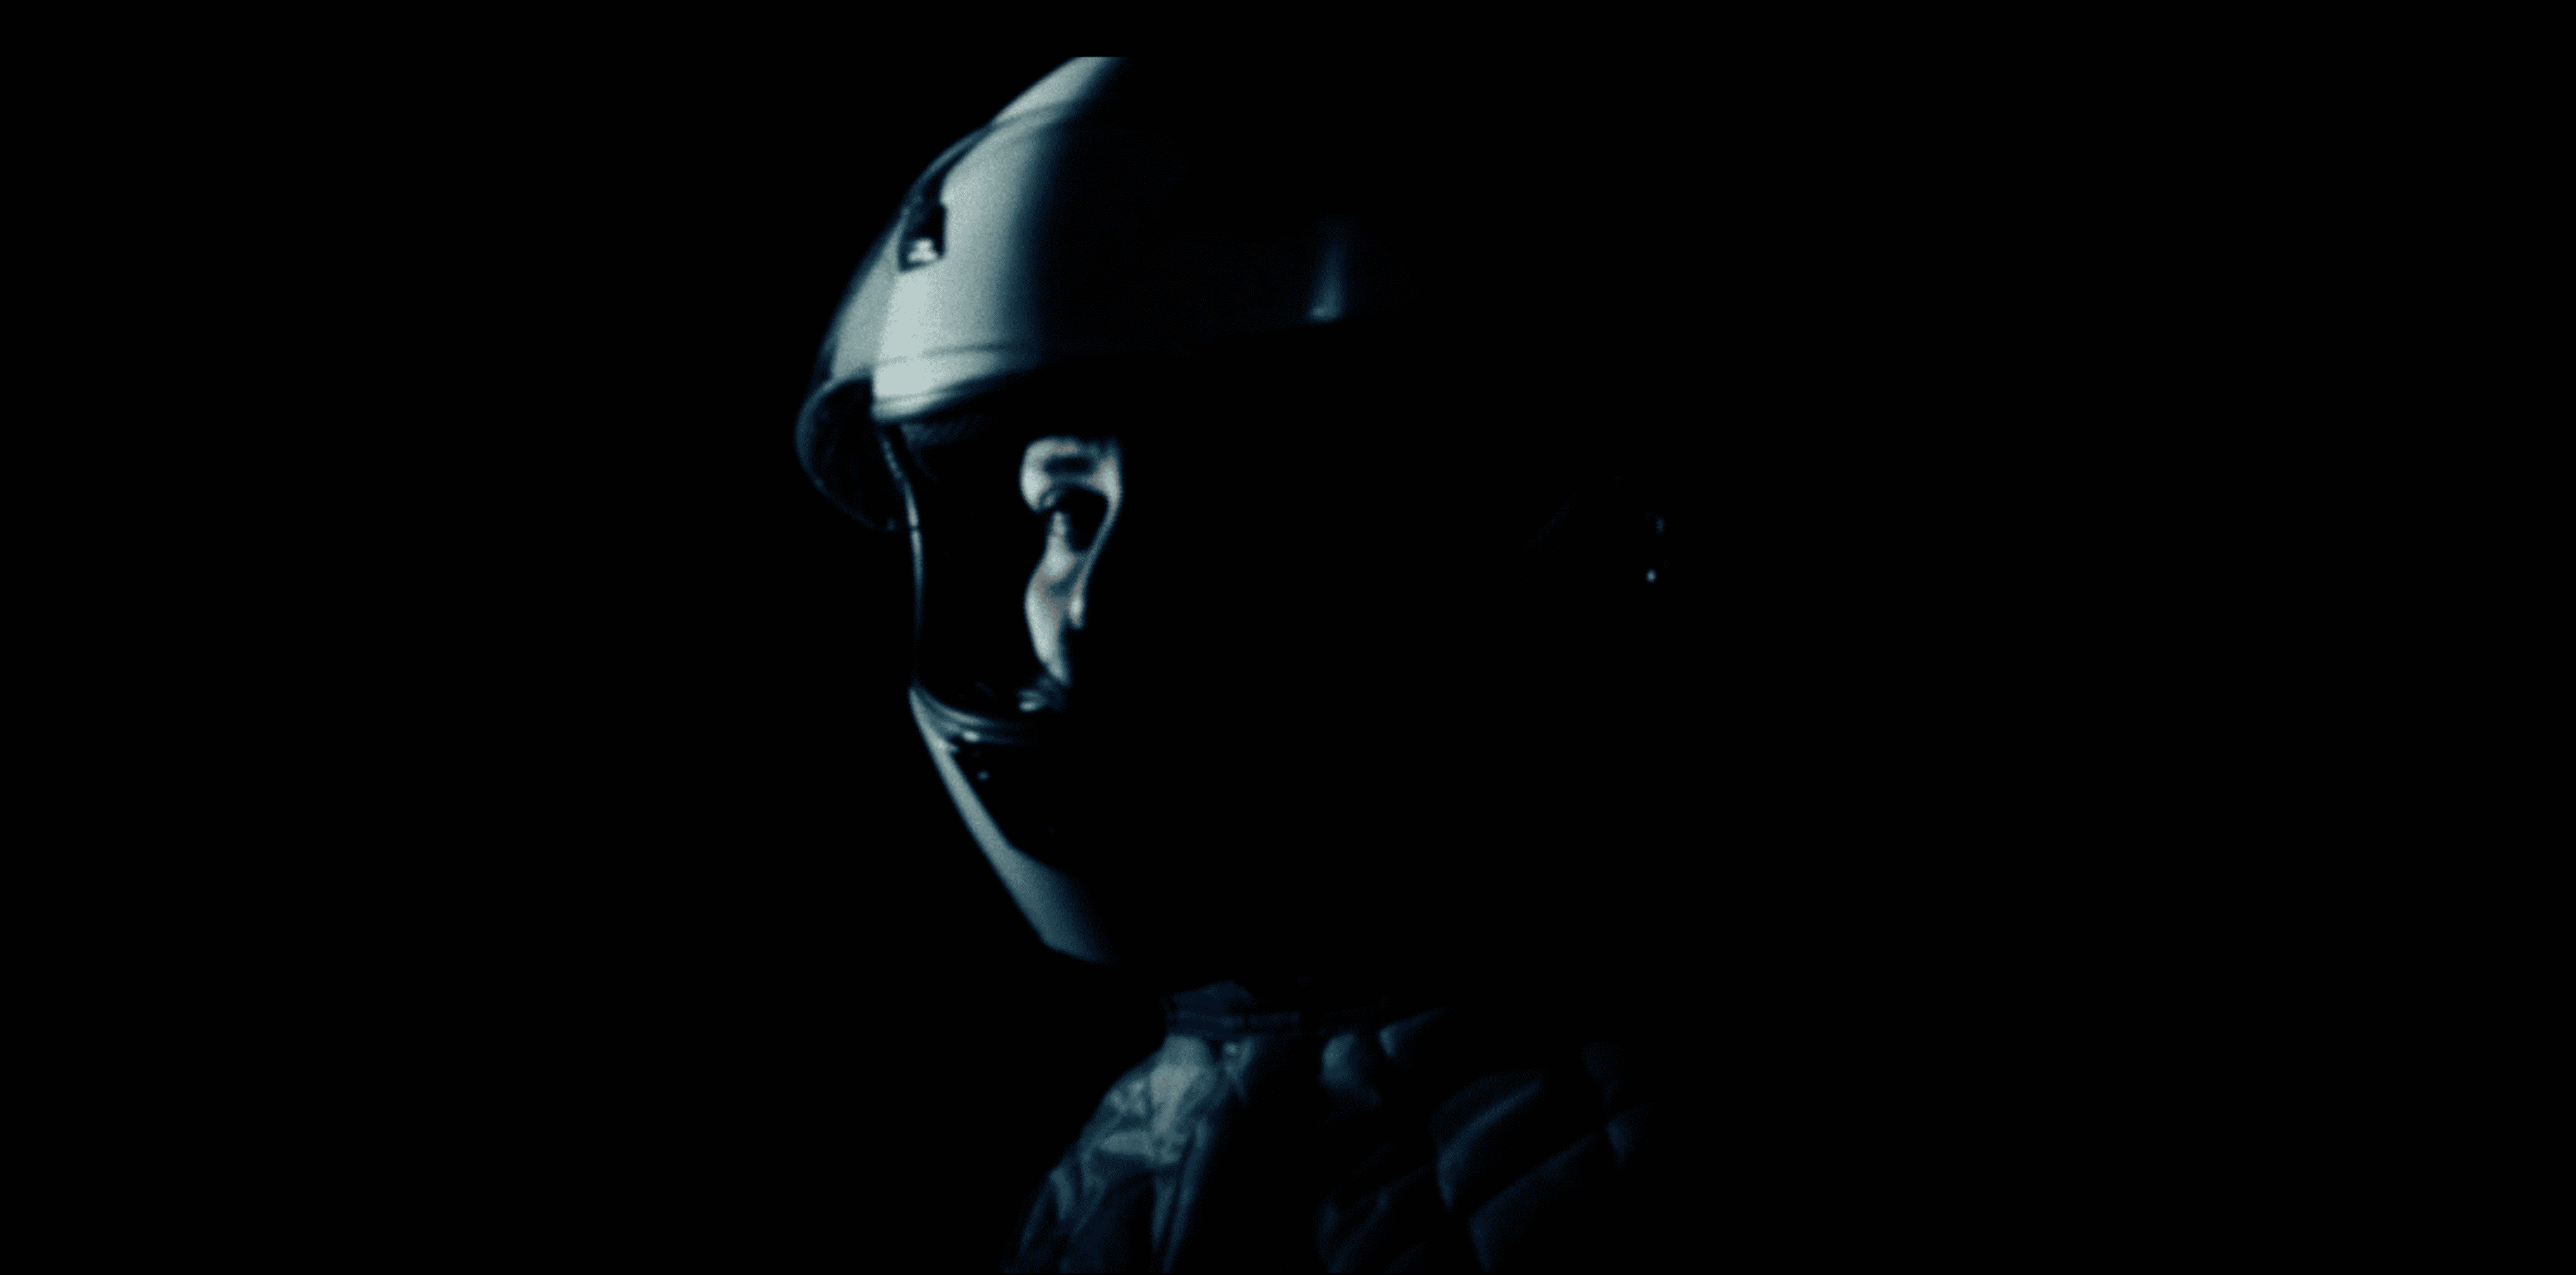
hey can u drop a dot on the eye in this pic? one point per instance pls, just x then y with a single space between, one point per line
1082 508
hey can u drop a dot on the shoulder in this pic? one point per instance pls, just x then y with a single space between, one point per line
1540 1147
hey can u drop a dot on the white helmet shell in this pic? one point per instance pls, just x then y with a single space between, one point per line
1068 229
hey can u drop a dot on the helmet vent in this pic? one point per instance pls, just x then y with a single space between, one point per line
925 236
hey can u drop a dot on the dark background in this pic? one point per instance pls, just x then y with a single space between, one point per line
613 884
690 948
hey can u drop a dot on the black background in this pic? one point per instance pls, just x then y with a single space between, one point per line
607 871
692 951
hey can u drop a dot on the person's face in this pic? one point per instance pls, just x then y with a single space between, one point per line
1076 484
1269 659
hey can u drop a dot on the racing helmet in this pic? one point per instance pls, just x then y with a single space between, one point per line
1267 606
